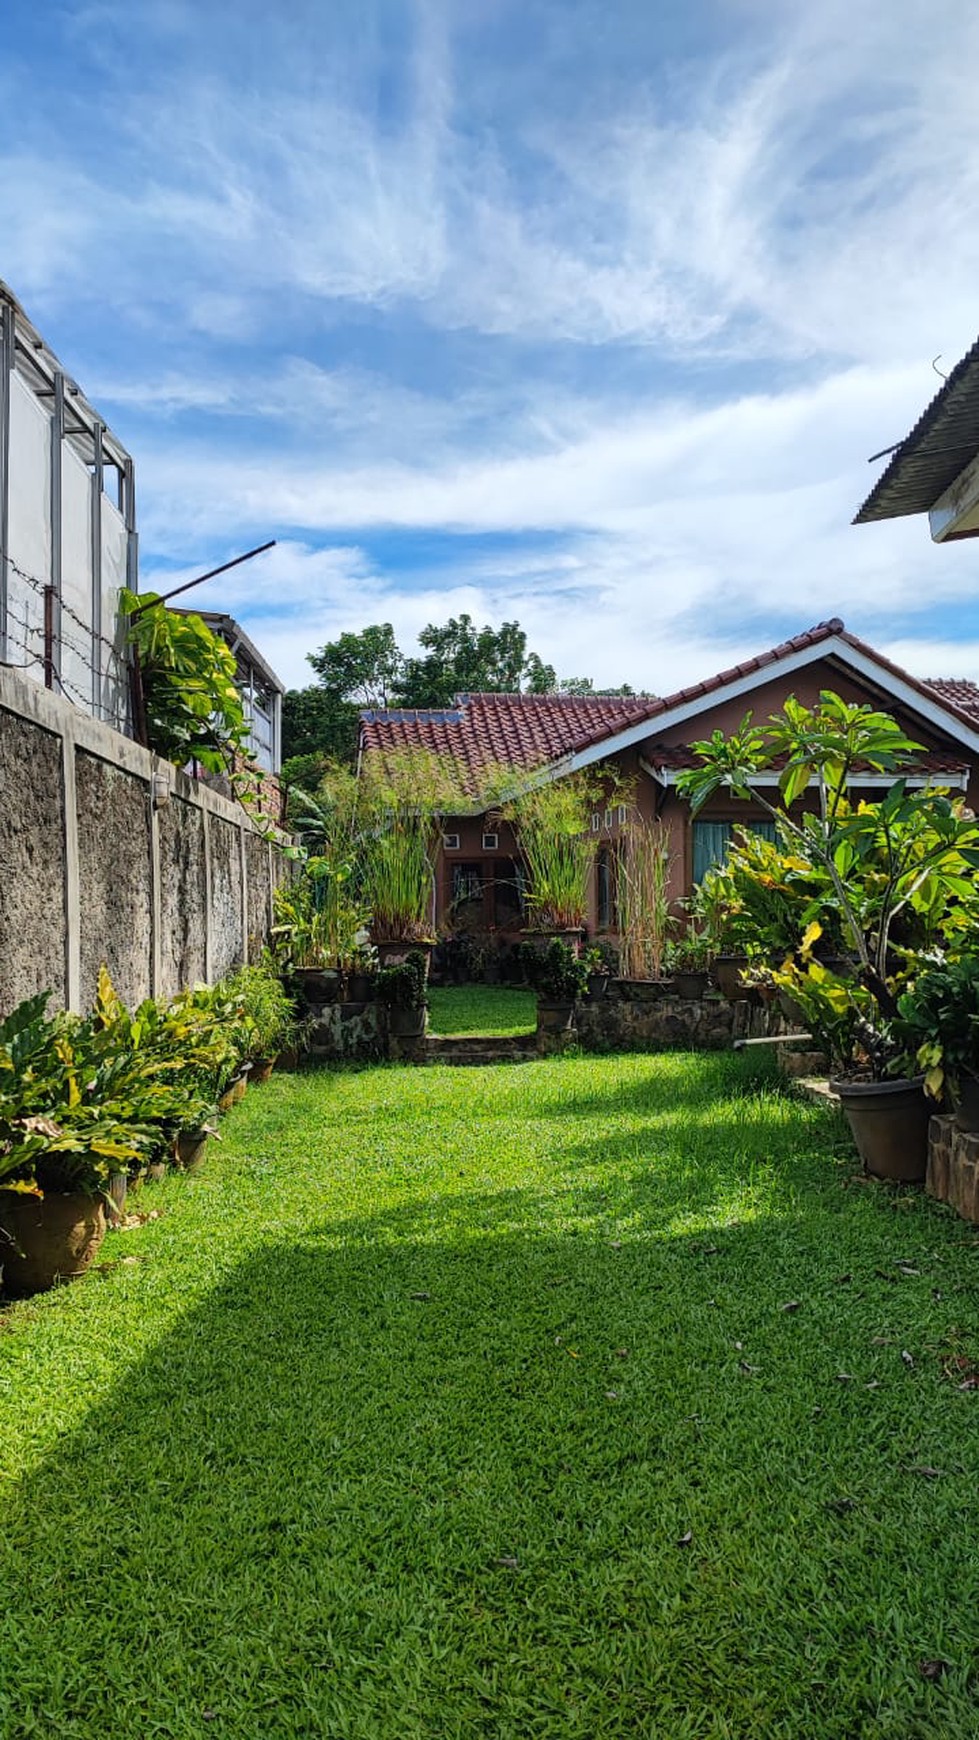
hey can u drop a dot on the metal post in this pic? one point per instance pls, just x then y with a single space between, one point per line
49 603
52 632
7 352
98 480
127 494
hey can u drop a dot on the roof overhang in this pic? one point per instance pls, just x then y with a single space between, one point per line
957 781
933 460
836 647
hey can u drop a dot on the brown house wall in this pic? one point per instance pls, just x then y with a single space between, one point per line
652 802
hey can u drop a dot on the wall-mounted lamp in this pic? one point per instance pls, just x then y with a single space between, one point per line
160 787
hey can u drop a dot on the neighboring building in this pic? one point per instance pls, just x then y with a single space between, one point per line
261 690
67 528
935 469
646 742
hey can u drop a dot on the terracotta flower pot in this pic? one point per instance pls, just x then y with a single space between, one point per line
889 1121
46 1239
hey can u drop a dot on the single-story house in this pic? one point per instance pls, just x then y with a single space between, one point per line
644 742
935 469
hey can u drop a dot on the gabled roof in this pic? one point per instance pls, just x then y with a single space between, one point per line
532 731
941 444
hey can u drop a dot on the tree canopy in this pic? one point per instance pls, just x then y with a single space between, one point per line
369 670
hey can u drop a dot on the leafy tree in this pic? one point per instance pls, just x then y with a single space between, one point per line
355 671
463 659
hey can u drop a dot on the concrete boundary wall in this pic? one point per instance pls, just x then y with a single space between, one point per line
109 854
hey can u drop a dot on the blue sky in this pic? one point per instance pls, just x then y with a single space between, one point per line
583 313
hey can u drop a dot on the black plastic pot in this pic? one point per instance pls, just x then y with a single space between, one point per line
691 984
967 1110
889 1121
597 986
726 972
554 1017
407 1023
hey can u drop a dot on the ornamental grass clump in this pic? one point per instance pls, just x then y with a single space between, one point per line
643 899
552 822
403 798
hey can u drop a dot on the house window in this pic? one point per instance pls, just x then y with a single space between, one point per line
605 888
491 842
450 842
712 841
467 884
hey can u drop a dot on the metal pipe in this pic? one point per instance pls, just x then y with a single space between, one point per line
772 1039
186 587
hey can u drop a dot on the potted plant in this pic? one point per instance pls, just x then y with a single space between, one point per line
401 991
597 963
362 974
552 824
938 1022
560 978
688 962
60 1142
402 801
267 1009
891 877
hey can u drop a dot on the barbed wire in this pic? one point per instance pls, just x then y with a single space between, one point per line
41 586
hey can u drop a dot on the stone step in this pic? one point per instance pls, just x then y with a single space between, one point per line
479 1048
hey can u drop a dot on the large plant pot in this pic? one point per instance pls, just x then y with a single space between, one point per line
597 986
554 1017
644 990
726 972
316 985
407 1023
189 1147
691 984
360 987
967 1110
889 1121
47 1239
262 1068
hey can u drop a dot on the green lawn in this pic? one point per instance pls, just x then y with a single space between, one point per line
500 1010
585 1398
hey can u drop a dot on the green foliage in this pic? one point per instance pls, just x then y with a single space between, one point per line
463 659
938 1022
267 1008
403 799
403 986
887 879
553 826
193 707
556 973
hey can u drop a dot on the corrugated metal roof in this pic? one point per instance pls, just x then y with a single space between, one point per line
941 444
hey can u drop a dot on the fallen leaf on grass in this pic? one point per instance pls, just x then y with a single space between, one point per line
907 1357
925 1472
749 1370
841 1505
622 1353
611 1395
686 1539
419 1295
791 1305
507 1563
932 1670
844 1377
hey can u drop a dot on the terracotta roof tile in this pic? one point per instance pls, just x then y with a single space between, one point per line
483 731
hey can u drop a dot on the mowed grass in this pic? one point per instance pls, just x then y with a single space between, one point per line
499 1010
583 1398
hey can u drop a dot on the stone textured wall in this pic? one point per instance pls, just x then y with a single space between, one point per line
32 847
109 854
633 1016
953 1167
114 874
182 896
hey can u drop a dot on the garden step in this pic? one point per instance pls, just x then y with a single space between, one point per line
479 1048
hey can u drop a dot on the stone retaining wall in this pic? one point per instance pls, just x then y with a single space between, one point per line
648 1017
953 1167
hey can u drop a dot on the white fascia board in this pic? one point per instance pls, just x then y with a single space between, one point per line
913 699
857 781
834 647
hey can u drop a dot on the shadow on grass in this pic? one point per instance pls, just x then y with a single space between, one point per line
431 1473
